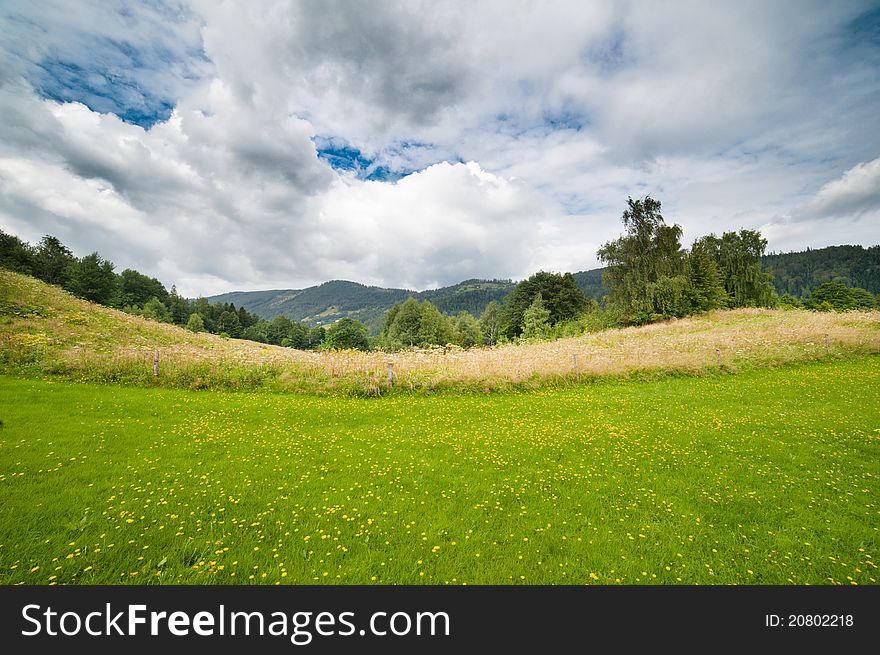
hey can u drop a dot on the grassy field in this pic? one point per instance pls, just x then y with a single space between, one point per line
46 332
765 477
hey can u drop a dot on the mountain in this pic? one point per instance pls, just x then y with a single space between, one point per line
797 273
590 282
325 303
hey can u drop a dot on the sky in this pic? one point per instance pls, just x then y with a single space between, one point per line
225 146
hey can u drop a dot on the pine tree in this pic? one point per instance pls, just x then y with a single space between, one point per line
536 319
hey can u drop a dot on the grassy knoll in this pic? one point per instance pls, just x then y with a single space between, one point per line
766 477
46 332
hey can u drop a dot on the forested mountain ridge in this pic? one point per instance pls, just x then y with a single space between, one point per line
325 303
797 273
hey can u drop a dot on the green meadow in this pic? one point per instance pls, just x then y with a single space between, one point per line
764 477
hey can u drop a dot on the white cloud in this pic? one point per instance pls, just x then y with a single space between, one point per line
855 193
732 115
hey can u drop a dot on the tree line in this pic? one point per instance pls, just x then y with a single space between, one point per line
800 273
93 278
649 274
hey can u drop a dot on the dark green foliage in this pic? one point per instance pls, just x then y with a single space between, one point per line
195 323
590 282
561 297
536 319
17 255
92 278
787 300
738 256
467 330
405 323
472 296
490 323
316 336
417 323
179 307
228 322
337 299
799 273
347 333
839 297
156 310
646 266
705 283
136 289
434 328
52 261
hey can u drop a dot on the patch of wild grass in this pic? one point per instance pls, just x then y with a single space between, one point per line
766 477
65 337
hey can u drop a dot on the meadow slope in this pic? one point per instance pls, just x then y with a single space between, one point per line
45 331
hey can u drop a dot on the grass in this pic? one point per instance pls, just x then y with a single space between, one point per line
766 477
46 332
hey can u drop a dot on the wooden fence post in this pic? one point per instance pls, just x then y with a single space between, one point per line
718 356
826 340
390 375
156 364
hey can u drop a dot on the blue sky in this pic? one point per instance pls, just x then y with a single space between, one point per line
416 145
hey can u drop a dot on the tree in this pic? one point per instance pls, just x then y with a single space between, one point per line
705 283
228 323
434 327
536 319
52 261
347 333
136 289
467 330
93 278
406 323
490 324
16 255
561 297
643 263
316 337
156 310
195 323
179 307
279 330
841 298
738 256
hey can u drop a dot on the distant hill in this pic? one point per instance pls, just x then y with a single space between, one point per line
797 273
328 302
590 282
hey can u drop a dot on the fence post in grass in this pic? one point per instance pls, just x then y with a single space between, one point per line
156 364
577 372
826 340
718 356
390 374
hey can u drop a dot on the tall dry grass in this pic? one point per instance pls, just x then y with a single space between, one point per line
43 330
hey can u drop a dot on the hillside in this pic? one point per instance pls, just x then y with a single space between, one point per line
797 273
590 282
45 331
331 301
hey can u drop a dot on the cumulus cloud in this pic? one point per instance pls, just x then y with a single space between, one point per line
183 138
857 191
847 208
